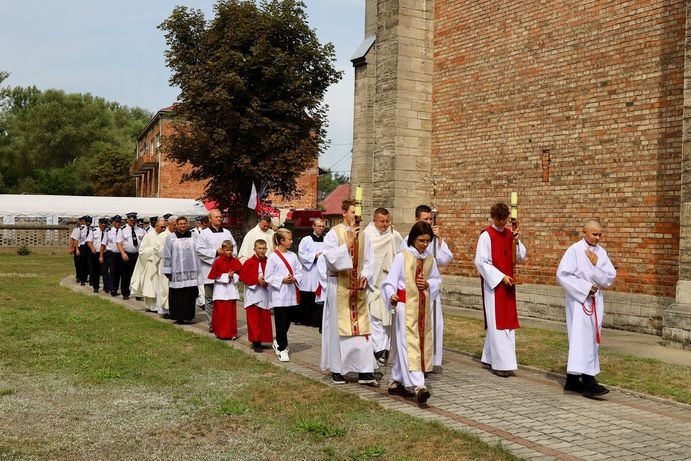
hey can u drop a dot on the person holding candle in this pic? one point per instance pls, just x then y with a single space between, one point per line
584 269
494 261
348 259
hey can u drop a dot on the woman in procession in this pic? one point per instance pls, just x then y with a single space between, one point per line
412 283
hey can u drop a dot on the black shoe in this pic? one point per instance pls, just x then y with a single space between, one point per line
125 298
501 373
398 389
573 383
421 394
165 316
114 293
367 379
382 356
591 388
82 283
95 290
337 378
139 298
257 347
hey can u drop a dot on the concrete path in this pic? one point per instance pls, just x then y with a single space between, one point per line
529 414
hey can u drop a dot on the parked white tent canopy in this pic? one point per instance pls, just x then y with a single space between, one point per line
53 207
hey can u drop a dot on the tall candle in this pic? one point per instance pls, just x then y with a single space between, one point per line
514 213
358 194
514 198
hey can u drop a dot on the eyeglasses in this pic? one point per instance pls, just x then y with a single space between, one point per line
423 242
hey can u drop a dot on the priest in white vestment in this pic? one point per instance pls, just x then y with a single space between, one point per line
583 271
145 278
385 244
262 231
183 270
208 245
310 248
346 333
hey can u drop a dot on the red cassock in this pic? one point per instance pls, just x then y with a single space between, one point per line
505 311
259 325
224 317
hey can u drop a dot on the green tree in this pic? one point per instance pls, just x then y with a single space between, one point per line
57 143
252 82
330 181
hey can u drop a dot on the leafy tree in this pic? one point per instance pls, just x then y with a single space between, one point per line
57 143
252 82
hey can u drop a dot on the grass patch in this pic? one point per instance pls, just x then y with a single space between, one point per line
108 380
548 350
318 428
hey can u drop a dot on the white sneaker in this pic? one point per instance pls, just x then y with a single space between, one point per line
283 356
274 346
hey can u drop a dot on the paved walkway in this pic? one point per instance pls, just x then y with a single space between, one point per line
530 414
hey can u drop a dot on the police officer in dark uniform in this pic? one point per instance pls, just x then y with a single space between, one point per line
97 265
128 245
111 255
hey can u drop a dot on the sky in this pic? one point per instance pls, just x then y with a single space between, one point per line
114 50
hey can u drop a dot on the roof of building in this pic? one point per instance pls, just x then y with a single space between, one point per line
155 119
332 202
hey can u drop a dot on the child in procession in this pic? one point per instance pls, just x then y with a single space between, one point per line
283 275
259 329
225 272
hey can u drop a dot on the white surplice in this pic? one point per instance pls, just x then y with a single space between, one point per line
246 250
385 245
576 274
307 254
207 245
499 350
343 354
181 262
162 287
282 294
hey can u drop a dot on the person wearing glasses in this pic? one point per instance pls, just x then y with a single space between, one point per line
409 288
442 254
494 261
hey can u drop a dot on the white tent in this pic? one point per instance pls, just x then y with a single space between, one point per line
53 207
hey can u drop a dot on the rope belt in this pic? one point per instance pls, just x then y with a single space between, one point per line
590 313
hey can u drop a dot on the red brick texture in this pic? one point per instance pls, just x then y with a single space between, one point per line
577 106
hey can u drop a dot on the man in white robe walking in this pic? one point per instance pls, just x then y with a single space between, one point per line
346 342
145 278
583 271
208 246
385 244
262 231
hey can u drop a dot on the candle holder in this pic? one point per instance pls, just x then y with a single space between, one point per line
514 226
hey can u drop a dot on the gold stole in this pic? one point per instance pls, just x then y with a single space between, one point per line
353 315
418 318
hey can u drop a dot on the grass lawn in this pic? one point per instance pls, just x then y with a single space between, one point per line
83 378
548 350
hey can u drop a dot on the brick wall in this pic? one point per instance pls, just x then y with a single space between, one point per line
307 184
577 106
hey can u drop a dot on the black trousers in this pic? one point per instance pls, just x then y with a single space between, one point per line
309 313
127 271
113 262
97 271
82 263
282 317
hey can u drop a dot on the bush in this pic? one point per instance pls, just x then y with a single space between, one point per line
23 250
